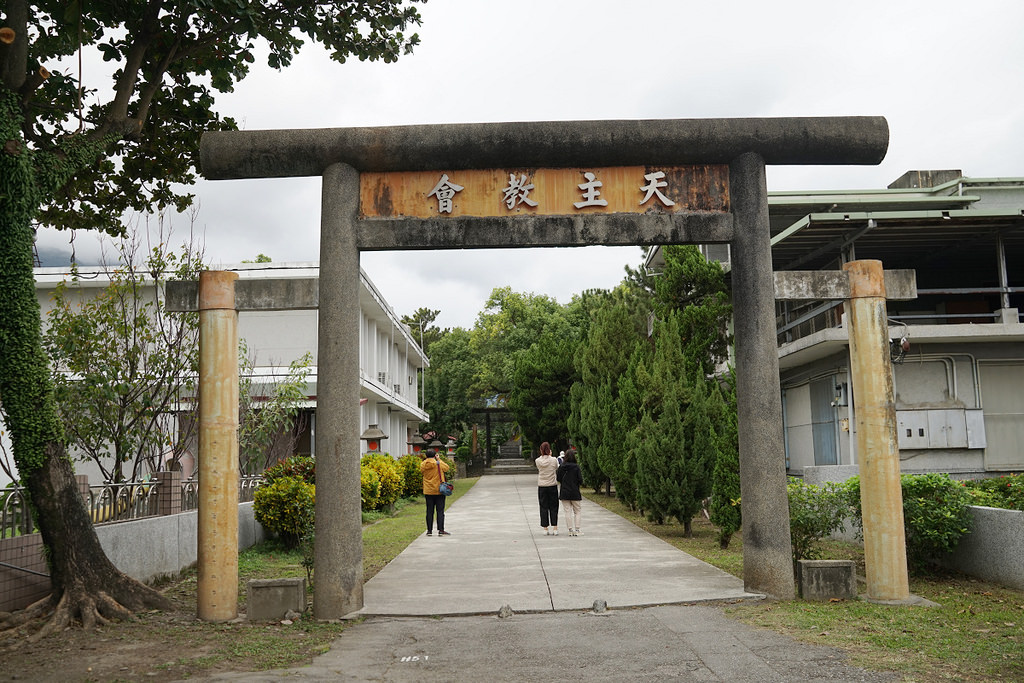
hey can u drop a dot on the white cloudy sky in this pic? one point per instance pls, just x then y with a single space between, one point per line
946 75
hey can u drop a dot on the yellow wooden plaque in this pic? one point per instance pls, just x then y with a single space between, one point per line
544 191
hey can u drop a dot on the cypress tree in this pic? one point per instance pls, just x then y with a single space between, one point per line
626 423
701 456
726 512
663 484
660 491
600 362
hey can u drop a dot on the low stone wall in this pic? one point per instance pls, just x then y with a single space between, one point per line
994 549
158 546
144 549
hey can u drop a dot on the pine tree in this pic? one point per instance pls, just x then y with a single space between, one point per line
696 287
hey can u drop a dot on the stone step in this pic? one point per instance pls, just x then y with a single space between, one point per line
510 466
510 470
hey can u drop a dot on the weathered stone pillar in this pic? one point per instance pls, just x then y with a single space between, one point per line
885 549
217 583
338 553
767 549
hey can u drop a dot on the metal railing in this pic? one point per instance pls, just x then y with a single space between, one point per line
110 502
15 514
190 494
805 318
122 501
247 485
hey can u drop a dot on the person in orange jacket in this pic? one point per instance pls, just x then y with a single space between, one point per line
433 468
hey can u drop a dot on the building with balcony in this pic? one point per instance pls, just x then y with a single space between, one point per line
957 379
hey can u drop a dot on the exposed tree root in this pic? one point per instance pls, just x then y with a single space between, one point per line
92 608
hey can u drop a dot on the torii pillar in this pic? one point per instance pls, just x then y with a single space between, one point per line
865 287
881 494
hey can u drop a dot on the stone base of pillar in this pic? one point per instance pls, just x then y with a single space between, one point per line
912 600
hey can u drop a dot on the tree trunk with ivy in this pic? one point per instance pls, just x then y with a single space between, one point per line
84 167
86 585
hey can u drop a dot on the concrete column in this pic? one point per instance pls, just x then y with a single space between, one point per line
885 549
217 584
338 553
767 549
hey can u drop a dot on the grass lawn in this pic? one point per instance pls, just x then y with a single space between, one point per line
977 633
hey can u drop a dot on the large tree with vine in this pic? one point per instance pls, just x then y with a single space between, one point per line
133 148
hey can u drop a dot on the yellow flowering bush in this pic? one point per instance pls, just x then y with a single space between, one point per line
285 507
391 483
412 475
369 484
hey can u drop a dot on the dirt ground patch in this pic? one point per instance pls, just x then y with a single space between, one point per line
164 646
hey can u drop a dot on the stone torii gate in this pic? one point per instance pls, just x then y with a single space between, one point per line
441 187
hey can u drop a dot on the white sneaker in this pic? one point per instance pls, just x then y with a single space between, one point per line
579 532
572 532
547 533
555 532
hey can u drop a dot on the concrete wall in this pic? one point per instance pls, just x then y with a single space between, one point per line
262 331
156 546
936 376
144 549
994 548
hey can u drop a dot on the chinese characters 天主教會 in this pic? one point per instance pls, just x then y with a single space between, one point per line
518 191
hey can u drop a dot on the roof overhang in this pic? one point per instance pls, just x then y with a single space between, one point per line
831 341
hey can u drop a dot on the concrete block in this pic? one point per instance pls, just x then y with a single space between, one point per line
271 599
827 579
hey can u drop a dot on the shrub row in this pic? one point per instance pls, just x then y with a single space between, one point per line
935 515
285 502
998 492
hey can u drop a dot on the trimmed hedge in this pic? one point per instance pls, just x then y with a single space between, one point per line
298 466
285 506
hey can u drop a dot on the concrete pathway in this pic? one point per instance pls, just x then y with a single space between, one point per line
498 555
431 615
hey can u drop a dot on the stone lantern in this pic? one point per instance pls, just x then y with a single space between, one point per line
417 443
373 436
450 446
436 445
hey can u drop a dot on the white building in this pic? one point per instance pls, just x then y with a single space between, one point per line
390 360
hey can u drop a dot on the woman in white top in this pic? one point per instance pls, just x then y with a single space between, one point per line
547 490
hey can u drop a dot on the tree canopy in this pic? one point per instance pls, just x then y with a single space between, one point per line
171 60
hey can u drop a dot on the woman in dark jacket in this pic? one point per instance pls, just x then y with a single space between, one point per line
571 479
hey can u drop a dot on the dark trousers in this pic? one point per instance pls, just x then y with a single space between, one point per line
435 502
548 497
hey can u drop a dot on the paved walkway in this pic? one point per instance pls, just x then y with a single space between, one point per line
498 555
431 614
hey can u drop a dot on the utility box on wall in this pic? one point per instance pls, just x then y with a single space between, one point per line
940 428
